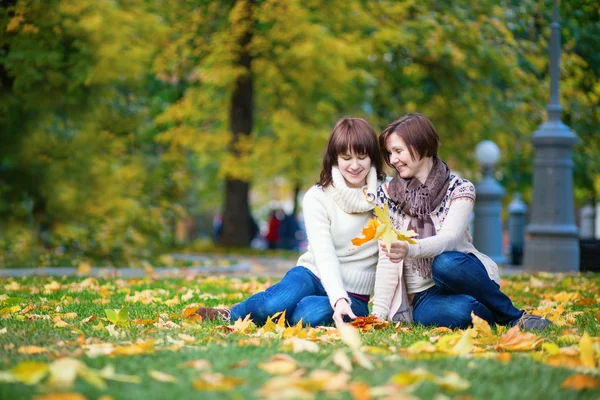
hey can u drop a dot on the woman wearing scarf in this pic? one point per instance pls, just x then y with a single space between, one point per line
442 278
333 279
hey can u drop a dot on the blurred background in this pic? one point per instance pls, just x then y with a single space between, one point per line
135 128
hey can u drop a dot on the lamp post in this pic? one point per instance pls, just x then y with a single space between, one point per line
487 236
551 241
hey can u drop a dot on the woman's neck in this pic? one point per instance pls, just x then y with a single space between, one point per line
425 169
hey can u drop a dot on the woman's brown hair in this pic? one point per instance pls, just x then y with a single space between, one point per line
418 133
351 135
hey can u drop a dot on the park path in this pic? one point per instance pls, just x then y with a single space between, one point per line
239 266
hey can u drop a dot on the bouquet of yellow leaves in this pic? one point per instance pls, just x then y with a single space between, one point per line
381 228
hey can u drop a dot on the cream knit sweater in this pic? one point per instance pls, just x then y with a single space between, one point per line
451 220
333 217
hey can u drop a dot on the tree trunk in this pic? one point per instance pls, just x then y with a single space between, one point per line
237 224
296 193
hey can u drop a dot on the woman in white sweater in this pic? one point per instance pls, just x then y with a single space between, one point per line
333 279
442 279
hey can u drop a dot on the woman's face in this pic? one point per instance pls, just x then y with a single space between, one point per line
354 168
400 158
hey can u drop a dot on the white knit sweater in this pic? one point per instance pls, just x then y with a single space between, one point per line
334 216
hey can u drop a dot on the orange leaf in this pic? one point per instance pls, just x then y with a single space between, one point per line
60 396
515 340
368 233
32 350
579 382
360 391
368 323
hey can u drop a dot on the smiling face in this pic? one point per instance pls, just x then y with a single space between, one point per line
401 160
354 168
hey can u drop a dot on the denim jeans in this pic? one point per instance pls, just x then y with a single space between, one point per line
303 297
462 285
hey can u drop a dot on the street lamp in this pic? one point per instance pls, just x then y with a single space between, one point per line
487 237
551 240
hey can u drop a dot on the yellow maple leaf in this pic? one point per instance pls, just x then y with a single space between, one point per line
30 372
381 228
242 326
586 349
481 326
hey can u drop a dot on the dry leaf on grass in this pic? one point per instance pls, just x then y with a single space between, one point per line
217 382
32 350
162 376
368 323
515 340
279 364
580 382
60 396
30 372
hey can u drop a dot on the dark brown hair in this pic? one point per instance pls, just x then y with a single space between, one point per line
417 132
351 135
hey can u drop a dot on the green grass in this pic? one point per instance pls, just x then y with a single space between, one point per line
525 376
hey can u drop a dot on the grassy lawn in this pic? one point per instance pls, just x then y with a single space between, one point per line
55 338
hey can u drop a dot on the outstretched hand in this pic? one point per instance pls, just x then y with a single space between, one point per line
342 307
398 251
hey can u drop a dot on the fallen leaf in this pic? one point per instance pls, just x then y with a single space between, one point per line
60 396
481 326
580 382
91 318
360 391
200 365
368 323
465 344
63 372
145 347
30 372
300 345
217 382
587 351
349 335
32 350
279 366
451 381
515 340
341 359
162 376
242 326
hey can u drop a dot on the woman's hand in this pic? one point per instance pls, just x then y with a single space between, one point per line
342 307
398 251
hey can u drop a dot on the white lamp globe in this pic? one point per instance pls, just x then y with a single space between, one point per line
487 153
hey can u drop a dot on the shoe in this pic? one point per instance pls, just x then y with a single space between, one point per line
213 314
533 322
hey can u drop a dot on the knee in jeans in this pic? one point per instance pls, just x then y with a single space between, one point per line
442 266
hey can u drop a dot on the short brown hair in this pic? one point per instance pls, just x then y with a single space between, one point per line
351 135
418 133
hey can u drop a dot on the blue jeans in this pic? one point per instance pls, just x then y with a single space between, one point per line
462 285
303 297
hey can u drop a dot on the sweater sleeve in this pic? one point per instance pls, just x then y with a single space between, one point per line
453 229
318 231
387 279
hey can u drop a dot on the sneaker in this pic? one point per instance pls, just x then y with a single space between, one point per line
212 314
533 322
